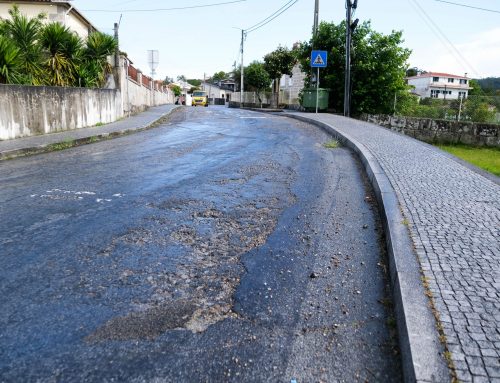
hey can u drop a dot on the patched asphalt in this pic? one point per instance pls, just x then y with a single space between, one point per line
223 245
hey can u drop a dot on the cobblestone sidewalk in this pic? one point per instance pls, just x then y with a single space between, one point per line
454 220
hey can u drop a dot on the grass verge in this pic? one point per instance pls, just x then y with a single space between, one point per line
485 158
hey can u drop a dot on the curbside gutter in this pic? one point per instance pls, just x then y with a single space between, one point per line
421 350
73 142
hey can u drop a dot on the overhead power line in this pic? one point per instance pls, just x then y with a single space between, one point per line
468 6
163 9
271 17
441 36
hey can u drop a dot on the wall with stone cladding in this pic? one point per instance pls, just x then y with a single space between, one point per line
440 131
31 110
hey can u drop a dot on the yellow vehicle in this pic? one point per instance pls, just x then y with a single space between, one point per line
200 97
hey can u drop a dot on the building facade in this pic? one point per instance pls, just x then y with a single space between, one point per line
60 11
440 85
290 86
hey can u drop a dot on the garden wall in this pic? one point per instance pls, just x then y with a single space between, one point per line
440 131
31 110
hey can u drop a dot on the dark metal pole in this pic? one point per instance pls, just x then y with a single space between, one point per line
242 69
316 17
347 84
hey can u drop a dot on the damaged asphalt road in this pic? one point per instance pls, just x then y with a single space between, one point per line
224 245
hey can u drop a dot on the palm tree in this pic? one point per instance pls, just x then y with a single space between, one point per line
63 51
99 46
10 63
24 34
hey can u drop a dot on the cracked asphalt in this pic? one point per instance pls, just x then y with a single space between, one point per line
224 245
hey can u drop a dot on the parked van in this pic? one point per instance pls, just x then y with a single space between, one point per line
200 97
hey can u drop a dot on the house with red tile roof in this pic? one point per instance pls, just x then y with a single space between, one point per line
61 11
440 85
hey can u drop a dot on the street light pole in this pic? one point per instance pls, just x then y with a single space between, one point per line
316 17
242 86
350 26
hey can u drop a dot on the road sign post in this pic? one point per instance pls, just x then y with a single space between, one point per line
318 60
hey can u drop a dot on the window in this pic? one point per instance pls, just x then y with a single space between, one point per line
452 80
434 93
462 94
463 82
435 79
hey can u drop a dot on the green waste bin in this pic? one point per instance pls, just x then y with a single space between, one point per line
309 98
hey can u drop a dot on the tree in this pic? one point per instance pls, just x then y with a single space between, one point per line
168 80
176 89
24 33
476 88
194 82
181 78
256 78
378 69
218 76
278 63
63 50
10 61
51 54
478 109
95 66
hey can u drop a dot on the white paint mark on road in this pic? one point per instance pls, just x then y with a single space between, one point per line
70 195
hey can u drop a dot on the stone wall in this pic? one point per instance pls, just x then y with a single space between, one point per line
31 110
440 131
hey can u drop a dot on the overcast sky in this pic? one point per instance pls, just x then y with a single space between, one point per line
205 40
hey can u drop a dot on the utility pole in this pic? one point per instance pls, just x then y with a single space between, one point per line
117 52
316 17
242 87
350 26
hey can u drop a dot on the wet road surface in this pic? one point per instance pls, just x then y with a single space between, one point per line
224 245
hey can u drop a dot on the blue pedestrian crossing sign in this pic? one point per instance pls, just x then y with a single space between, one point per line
318 59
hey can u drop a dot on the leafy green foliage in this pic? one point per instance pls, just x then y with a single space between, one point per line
490 85
218 76
279 62
194 82
25 33
378 69
474 108
256 77
176 89
38 54
10 61
62 50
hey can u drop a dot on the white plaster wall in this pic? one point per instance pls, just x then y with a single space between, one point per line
420 85
29 110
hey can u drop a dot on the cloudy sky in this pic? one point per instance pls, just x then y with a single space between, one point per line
194 41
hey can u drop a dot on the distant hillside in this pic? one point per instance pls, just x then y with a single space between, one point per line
490 83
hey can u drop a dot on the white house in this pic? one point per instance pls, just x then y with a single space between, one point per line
221 90
61 11
440 85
